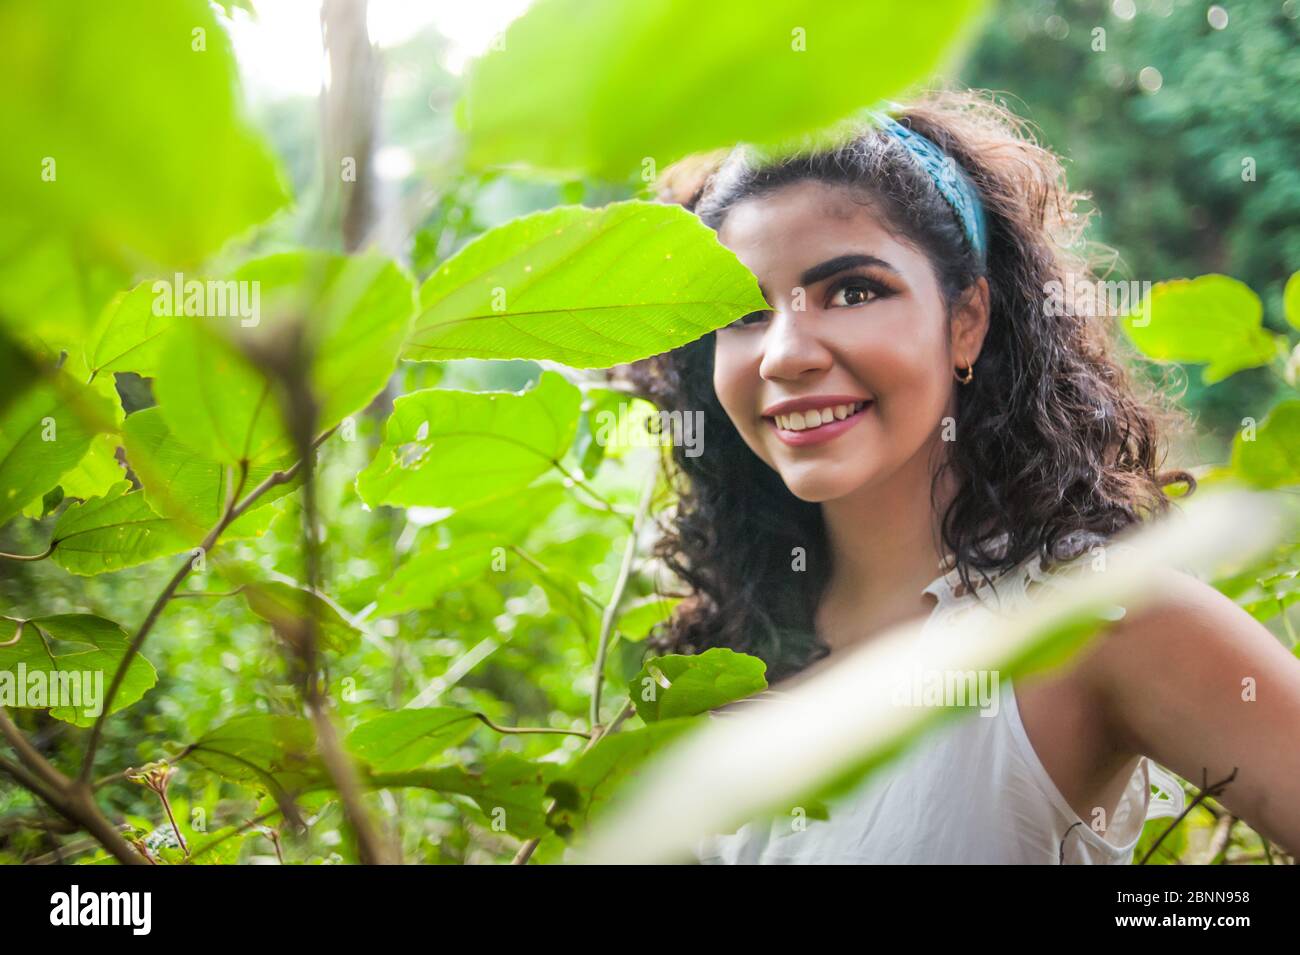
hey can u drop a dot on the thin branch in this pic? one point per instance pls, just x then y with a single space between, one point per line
208 593
41 556
28 756
1206 792
611 609
529 729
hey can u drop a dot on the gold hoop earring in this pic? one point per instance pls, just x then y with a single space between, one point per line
970 374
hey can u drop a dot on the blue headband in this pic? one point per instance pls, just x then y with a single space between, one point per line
948 177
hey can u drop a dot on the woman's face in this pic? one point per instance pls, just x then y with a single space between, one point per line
857 326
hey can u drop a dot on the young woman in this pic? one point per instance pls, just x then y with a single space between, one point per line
910 404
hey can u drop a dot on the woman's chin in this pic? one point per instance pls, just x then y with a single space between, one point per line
818 488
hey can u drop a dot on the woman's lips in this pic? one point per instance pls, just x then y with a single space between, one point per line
821 433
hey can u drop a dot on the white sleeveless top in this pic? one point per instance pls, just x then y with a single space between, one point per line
972 790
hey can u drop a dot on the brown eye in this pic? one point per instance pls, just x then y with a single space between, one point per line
855 293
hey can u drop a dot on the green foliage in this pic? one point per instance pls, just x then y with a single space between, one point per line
408 739
43 434
539 287
454 448
116 530
740 72
76 645
1212 319
674 685
138 115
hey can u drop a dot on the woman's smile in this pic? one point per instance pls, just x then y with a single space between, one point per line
817 424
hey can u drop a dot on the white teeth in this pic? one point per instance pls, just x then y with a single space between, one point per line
802 421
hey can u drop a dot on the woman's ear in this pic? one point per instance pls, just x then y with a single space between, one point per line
970 323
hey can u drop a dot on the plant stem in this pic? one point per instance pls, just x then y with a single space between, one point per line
526 850
611 609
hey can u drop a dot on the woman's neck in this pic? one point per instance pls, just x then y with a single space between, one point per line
885 549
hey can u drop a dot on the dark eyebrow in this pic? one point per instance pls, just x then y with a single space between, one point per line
840 263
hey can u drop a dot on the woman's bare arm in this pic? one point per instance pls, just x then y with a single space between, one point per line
1200 686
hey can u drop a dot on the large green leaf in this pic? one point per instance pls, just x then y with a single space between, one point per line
678 685
74 651
117 530
1272 457
180 484
150 154
588 288
509 790
739 71
51 288
44 433
408 739
453 448
1212 319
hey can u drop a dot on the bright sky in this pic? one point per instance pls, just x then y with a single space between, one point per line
280 51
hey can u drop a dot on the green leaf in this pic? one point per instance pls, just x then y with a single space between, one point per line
115 531
150 153
588 288
677 685
183 485
408 739
454 448
1272 458
98 470
77 653
1212 319
283 605
586 788
358 311
355 313
275 751
129 335
1291 300
509 790
216 401
44 433
636 622
51 288
739 72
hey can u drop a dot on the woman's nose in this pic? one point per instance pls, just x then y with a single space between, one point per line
791 346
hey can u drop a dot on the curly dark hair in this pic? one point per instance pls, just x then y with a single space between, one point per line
1060 445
